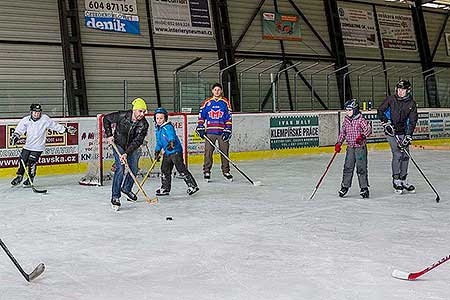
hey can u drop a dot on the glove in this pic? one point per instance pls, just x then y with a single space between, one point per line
14 138
157 152
171 145
71 130
226 135
201 131
337 147
360 139
406 141
388 129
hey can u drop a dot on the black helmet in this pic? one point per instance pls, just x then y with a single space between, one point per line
403 84
352 104
35 107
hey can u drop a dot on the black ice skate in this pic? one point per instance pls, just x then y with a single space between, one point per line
207 176
162 192
364 192
408 187
27 183
228 176
398 187
192 190
115 202
343 191
130 195
17 180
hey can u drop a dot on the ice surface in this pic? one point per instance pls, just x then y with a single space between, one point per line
233 240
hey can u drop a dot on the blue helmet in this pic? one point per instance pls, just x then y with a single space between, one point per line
161 110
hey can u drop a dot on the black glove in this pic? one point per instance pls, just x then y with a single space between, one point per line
14 138
171 145
201 131
406 141
157 152
226 135
388 129
71 130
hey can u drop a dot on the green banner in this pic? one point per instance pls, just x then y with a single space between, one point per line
294 132
278 26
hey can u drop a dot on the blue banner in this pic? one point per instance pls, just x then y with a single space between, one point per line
112 22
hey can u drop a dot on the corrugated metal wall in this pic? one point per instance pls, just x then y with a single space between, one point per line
119 67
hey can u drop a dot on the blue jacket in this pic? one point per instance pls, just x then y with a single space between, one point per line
215 115
164 134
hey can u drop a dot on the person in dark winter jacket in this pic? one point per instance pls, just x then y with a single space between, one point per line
168 142
398 114
131 127
355 130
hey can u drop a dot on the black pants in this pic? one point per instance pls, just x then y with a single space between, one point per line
30 158
168 162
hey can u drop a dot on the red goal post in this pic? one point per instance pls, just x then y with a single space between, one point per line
101 160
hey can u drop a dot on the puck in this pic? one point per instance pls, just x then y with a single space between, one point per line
169 218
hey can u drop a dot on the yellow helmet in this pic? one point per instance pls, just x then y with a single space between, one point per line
139 103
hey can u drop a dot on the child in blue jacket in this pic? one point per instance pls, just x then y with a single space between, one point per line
167 141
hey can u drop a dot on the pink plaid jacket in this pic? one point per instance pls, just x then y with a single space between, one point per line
352 128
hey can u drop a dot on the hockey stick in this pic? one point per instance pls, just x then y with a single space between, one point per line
254 183
147 198
323 175
31 181
418 168
146 175
28 277
413 276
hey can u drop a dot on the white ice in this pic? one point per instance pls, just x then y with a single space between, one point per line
233 240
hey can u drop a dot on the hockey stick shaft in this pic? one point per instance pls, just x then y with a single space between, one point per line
227 158
28 277
147 198
418 168
29 178
323 175
148 174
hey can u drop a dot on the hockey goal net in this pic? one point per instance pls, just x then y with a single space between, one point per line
100 167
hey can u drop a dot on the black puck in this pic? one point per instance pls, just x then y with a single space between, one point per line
169 218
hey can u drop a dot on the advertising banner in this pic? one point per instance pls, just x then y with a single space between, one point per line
182 17
112 15
358 27
397 31
278 26
294 131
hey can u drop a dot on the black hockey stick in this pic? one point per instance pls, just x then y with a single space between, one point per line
254 183
418 168
28 277
31 181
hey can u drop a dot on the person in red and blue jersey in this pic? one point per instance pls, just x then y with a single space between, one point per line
214 121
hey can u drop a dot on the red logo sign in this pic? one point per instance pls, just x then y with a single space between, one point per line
215 114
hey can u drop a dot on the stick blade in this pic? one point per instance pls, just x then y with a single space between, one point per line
257 183
36 272
39 191
400 275
438 199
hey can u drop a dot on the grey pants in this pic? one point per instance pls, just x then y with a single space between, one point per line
355 156
400 160
209 150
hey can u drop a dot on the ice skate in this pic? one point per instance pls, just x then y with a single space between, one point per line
26 183
408 187
115 203
17 180
343 191
130 195
364 192
228 176
207 176
162 192
192 190
398 187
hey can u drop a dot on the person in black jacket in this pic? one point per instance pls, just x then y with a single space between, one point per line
129 134
401 110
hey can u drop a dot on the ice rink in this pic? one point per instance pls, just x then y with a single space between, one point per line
233 240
